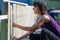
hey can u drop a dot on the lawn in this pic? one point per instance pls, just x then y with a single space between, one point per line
1 31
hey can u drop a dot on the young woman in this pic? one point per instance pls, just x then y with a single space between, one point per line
45 21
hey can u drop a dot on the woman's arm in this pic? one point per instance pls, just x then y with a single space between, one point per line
44 18
33 28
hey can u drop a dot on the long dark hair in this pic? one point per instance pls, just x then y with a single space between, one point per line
42 6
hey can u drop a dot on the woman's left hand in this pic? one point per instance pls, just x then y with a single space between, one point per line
15 25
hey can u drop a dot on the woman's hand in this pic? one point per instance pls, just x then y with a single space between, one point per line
15 25
14 38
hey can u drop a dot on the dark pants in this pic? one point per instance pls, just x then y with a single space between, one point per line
45 35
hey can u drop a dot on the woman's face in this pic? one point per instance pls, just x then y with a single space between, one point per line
36 9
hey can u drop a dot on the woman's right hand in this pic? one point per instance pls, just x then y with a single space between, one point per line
14 38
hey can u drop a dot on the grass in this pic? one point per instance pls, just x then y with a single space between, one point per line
1 31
